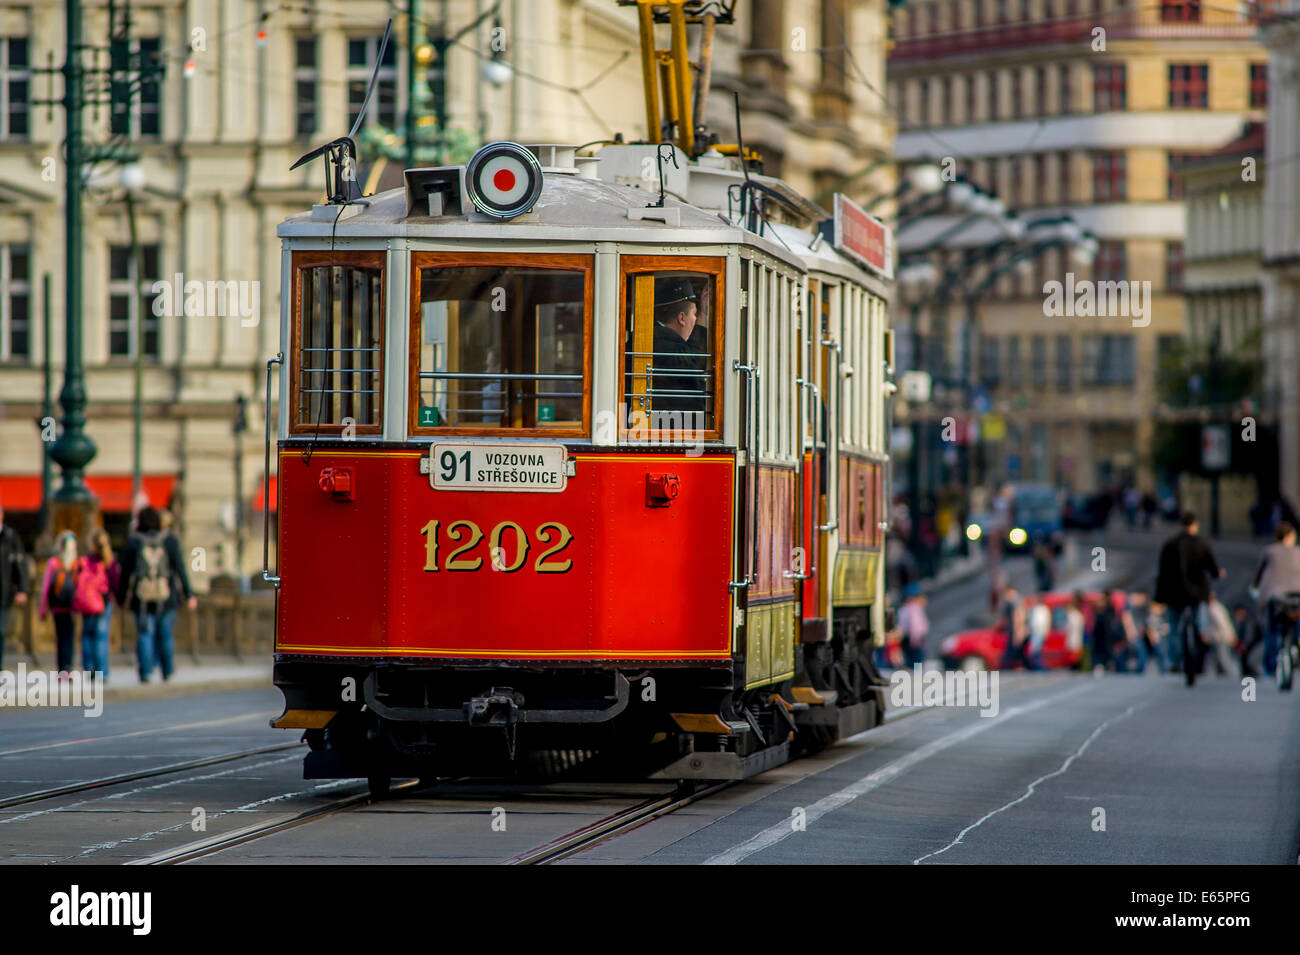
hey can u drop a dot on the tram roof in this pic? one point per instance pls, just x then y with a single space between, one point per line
575 208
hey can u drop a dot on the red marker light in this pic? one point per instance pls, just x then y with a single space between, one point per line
504 180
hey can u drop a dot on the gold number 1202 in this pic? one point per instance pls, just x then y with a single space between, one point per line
467 535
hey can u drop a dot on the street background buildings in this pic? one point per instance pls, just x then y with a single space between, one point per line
249 87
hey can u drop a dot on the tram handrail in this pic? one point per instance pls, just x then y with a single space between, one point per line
266 481
751 373
833 440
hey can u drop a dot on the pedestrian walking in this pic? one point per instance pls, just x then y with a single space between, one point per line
96 586
1140 644
59 595
1110 633
1222 634
1039 622
1249 635
1015 626
13 577
913 626
152 583
1076 625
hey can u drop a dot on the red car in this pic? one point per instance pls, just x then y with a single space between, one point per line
982 648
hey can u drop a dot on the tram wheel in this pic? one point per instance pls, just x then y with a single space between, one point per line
379 786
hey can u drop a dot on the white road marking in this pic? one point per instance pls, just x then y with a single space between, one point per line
1032 786
874 780
148 732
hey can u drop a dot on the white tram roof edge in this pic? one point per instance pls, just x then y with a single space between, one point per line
576 208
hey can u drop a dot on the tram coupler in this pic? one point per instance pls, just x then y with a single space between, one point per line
499 708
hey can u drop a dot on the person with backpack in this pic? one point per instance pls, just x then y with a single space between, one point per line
152 582
96 580
59 596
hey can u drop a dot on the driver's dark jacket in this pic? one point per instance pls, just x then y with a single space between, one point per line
672 353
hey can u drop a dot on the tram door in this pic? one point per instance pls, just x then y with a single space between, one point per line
817 466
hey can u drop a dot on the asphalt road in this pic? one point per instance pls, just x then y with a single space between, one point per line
1117 769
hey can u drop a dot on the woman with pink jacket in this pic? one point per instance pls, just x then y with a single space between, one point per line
96 579
58 596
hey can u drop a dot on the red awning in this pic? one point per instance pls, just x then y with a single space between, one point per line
23 492
259 499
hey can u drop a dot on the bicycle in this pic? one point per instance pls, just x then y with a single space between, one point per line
1288 653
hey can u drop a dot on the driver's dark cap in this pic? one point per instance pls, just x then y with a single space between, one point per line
672 291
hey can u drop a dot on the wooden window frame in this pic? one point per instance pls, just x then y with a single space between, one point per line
567 262
318 258
715 265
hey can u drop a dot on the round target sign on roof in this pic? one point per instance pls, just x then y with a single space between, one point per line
503 180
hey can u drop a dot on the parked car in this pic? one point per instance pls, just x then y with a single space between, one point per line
982 647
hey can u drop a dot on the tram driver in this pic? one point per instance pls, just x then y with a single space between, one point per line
680 343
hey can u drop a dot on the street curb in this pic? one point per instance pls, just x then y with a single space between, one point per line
159 691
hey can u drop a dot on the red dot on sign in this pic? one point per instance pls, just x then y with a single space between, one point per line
504 180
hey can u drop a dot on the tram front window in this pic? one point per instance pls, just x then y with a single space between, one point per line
670 351
501 347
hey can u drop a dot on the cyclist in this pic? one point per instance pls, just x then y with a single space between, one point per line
1183 584
1278 574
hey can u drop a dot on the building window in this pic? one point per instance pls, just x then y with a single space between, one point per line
1026 11
132 324
1173 173
971 109
305 80
1109 88
1067 104
1109 360
923 103
1038 361
945 100
1064 363
1173 266
1180 11
1258 85
361 63
1040 180
993 97
1189 85
1017 94
15 84
1015 371
990 367
15 302
1111 264
136 110
1109 181
934 18
1001 11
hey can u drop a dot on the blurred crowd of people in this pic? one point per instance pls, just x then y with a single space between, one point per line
81 584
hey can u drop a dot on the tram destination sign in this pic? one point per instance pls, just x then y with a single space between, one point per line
863 237
498 467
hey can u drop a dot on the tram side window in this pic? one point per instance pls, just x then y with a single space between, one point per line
670 352
340 331
501 347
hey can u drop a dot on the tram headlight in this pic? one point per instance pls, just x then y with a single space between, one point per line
973 532
1018 536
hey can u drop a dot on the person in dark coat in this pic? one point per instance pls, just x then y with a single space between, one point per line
675 320
14 580
1183 576
152 583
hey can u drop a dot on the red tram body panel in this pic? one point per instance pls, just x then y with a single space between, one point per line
603 575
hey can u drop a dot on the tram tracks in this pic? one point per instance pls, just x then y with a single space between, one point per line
168 770
571 843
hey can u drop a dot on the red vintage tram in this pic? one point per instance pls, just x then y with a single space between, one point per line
565 468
